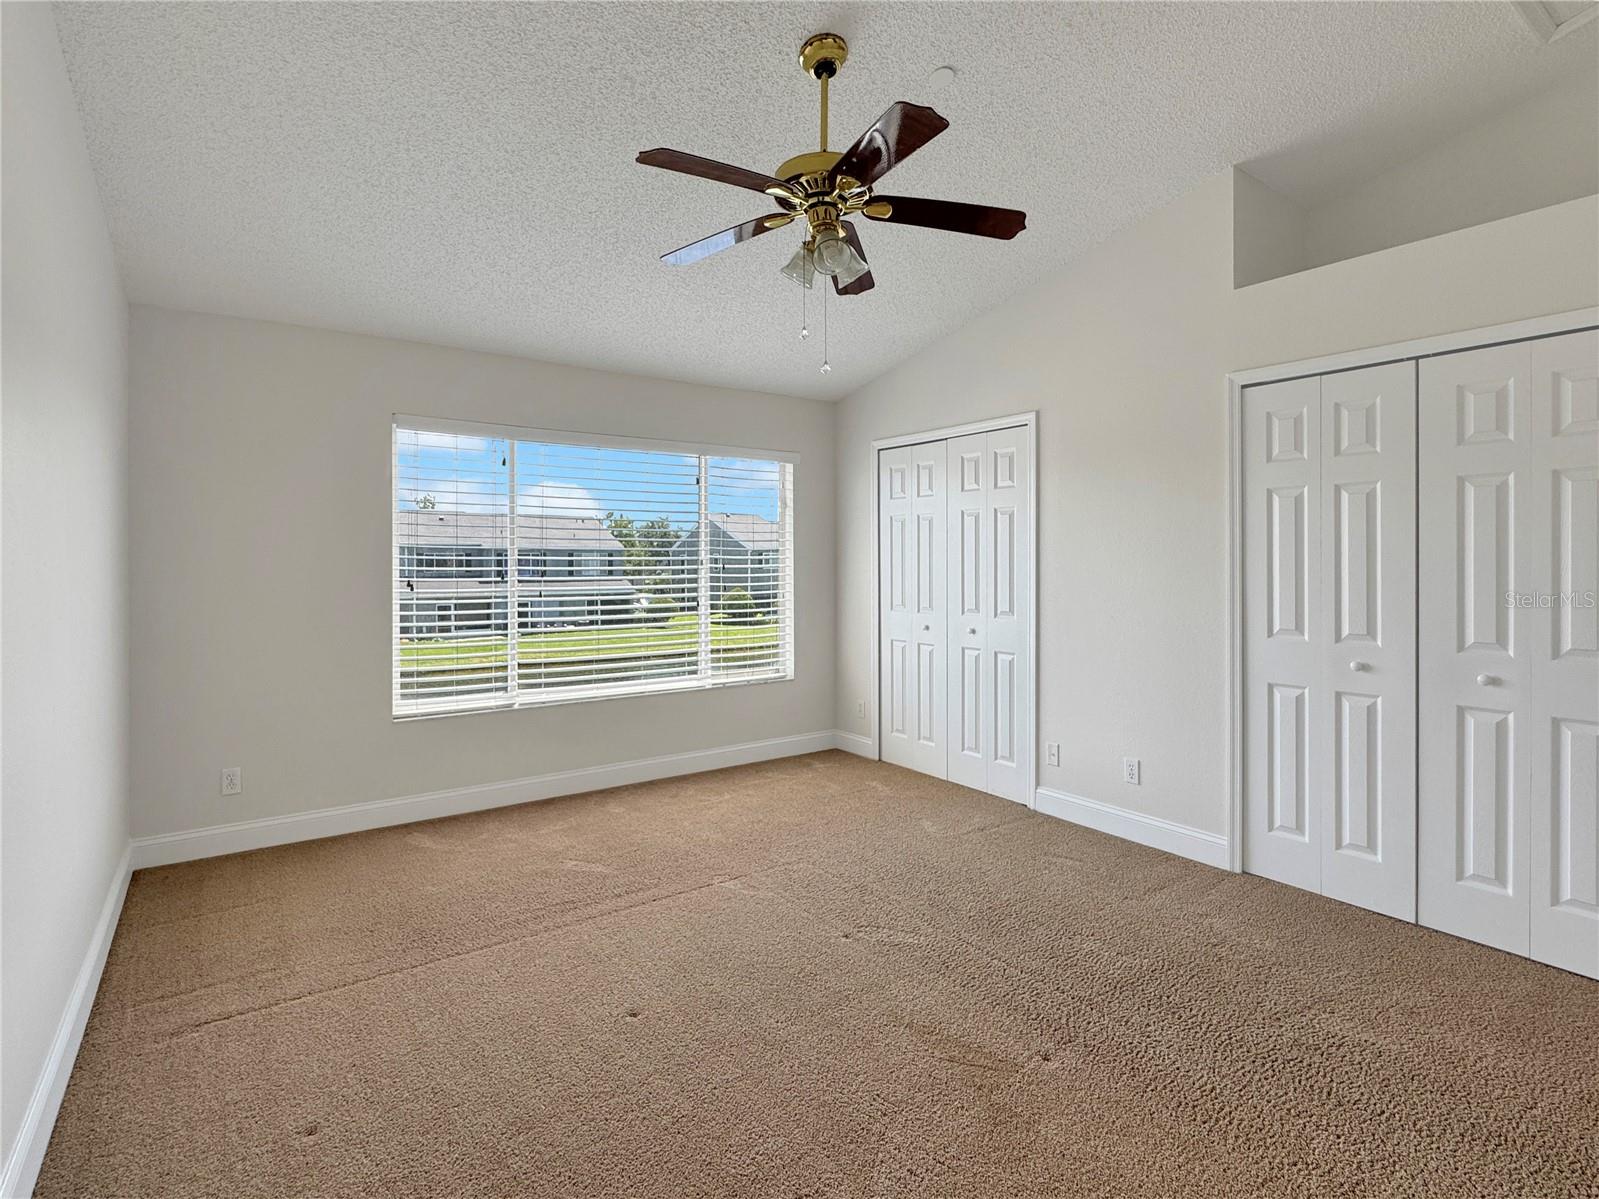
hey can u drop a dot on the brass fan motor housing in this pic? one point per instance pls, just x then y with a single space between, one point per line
817 162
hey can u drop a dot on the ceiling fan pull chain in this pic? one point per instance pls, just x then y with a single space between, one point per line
805 324
827 367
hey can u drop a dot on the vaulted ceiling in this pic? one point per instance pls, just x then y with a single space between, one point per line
464 174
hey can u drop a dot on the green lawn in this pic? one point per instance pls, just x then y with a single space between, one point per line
425 663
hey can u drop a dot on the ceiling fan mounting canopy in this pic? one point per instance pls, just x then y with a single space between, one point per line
826 186
822 55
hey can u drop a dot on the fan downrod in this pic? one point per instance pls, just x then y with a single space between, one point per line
821 57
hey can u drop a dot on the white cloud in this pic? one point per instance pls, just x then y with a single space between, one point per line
558 499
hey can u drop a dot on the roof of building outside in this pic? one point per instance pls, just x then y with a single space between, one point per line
470 589
423 527
753 532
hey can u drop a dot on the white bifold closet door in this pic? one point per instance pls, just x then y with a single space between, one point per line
955 569
1329 641
913 630
990 590
1509 654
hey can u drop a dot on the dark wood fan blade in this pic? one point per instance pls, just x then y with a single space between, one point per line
705 168
726 239
901 131
978 219
865 282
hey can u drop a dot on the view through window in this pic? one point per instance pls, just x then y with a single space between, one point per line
627 569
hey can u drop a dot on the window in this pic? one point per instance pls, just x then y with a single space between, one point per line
640 567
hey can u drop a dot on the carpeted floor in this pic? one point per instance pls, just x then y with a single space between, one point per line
814 977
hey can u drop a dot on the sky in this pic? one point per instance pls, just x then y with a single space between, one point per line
471 474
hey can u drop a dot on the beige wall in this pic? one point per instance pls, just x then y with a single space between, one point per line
260 576
1542 152
1124 354
63 602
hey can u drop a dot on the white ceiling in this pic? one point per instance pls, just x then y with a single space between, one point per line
464 174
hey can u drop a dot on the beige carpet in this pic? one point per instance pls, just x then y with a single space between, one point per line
815 977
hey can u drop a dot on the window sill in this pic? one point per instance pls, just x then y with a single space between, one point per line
502 703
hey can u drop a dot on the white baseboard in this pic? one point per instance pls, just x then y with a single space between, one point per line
167 848
39 1118
1180 839
854 743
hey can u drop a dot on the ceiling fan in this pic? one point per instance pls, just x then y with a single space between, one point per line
824 187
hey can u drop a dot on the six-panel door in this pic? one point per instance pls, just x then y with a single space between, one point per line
971 556
1564 893
1509 648
1368 545
990 593
913 630
1283 616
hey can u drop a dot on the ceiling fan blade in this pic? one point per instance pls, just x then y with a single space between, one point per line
865 282
901 131
726 239
706 168
978 219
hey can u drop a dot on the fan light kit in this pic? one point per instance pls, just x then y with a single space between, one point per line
826 187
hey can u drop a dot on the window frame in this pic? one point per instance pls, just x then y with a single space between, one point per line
784 670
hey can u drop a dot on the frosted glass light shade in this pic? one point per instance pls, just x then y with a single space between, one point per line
836 257
801 268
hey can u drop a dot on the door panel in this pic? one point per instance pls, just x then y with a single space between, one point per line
989 577
1282 612
971 693
1563 713
1476 678
1487 798
1367 728
1288 762
1007 591
1510 648
911 607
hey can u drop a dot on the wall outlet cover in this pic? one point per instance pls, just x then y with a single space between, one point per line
1130 771
232 780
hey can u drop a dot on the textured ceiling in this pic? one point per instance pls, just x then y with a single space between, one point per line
463 173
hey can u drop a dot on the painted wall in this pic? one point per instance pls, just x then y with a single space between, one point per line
1536 155
261 573
1542 152
63 565
1124 354
1268 232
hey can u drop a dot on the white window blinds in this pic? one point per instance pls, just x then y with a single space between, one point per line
531 570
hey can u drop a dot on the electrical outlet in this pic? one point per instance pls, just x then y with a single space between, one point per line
1052 752
1130 771
232 780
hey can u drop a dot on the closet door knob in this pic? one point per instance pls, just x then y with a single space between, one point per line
973 632
927 628
1487 680
1357 667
